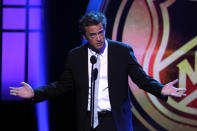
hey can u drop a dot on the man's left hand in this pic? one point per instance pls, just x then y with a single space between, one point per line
170 90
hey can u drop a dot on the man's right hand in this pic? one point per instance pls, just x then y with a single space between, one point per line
25 91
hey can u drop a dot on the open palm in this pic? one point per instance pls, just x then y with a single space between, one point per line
170 90
25 91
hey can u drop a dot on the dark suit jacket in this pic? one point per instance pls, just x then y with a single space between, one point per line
121 63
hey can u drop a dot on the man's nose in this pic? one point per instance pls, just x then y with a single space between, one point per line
98 37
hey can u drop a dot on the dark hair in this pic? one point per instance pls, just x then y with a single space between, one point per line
92 18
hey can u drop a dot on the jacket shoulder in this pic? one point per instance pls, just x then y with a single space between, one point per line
119 45
76 53
77 49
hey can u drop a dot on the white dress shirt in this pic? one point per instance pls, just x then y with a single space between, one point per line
103 90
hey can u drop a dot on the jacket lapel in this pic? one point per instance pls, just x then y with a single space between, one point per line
84 67
82 71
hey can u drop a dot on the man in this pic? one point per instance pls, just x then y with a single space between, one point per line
117 61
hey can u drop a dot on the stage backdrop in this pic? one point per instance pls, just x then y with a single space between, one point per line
163 34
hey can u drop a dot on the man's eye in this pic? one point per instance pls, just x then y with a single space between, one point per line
101 32
92 35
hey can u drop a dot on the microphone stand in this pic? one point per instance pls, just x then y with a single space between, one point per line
93 61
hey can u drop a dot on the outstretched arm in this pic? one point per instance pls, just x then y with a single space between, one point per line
25 91
49 91
150 85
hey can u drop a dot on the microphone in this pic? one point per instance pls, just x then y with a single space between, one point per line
93 59
95 74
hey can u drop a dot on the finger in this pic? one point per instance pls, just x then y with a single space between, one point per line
13 91
25 84
184 94
181 89
174 82
13 88
14 94
176 95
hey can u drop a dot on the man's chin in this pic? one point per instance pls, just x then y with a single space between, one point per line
98 48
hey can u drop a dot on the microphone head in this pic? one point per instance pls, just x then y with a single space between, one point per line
95 74
93 59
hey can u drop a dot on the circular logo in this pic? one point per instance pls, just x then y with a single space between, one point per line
163 36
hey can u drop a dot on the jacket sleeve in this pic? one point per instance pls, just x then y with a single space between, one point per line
141 79
65 84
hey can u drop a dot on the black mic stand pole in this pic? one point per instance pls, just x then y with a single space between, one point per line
93 61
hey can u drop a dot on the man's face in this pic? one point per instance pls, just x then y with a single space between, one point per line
95 34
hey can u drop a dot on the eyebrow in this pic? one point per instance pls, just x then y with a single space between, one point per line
96 32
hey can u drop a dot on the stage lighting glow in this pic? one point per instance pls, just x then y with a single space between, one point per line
23 51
